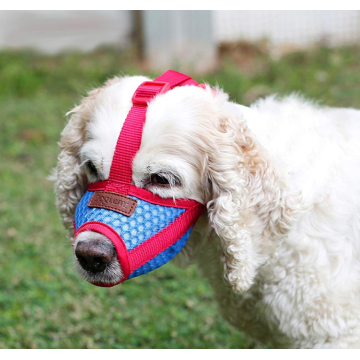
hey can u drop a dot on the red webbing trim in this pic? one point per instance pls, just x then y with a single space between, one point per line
130 136
157 200
167 237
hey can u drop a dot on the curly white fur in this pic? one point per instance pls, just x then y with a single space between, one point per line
280 244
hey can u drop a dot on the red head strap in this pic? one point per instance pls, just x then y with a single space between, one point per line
130 137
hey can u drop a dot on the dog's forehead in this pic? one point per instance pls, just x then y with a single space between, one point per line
179 109
112 105
171 111
172 121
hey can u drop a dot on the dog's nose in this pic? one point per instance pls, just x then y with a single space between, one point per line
94 255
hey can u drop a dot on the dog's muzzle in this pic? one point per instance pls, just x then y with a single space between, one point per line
146 230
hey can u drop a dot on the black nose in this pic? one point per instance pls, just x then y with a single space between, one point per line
95 255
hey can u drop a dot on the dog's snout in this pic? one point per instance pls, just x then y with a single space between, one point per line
95 255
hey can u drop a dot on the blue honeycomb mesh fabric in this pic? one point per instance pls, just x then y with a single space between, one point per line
147 220
163 257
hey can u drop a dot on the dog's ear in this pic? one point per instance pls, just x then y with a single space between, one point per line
248 205
70 179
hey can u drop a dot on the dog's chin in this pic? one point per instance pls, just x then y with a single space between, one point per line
110 276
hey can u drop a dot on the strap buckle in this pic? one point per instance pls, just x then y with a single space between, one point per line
147 90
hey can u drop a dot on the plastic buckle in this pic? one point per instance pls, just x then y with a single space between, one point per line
147 90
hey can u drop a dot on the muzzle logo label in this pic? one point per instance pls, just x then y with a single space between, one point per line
113 201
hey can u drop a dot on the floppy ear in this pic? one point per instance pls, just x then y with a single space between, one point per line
70 179
248 205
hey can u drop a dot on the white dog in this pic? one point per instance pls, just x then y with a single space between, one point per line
280 243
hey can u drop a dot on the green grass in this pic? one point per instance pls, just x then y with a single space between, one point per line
43 303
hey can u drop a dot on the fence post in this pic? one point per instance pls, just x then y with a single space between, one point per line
181 40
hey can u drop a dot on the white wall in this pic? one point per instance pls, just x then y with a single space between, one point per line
54 31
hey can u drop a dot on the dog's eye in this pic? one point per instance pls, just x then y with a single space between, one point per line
158 179
91 168
165 180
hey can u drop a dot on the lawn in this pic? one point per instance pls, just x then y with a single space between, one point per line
43 302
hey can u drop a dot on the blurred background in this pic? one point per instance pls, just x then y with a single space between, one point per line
48 61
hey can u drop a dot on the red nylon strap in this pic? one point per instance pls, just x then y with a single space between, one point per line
129 140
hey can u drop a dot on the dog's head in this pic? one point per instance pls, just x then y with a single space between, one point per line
195 145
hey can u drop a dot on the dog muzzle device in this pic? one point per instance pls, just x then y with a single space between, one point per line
147 231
